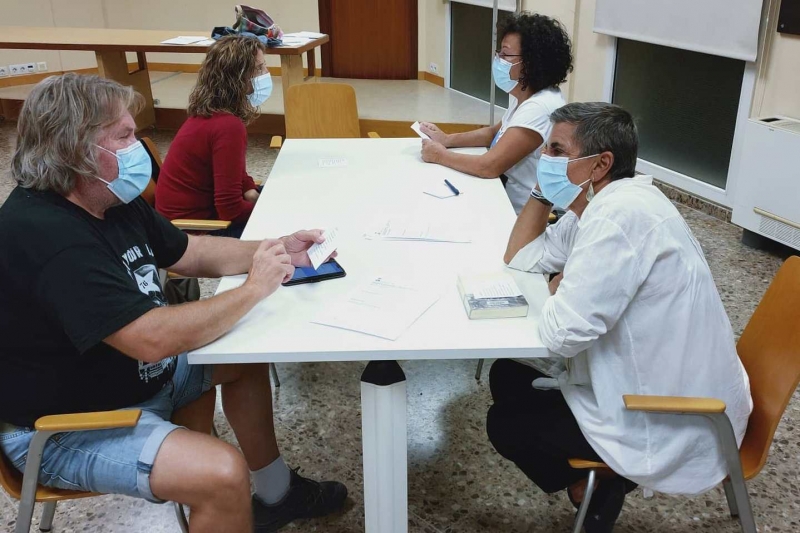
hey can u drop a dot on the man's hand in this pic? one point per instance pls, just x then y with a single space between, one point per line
433 131
298 243
271 266
251 195
555 282
432 151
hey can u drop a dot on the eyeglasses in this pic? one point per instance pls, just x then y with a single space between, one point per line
503 55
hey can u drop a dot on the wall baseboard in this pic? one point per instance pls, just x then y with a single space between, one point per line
430 77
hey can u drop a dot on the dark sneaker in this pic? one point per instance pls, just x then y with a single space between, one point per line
606 505
306 499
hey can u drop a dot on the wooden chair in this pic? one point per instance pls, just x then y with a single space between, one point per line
321 111
197 416
770 352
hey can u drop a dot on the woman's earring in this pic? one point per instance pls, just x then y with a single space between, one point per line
590 192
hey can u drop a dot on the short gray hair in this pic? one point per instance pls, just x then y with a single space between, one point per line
602 127
59 125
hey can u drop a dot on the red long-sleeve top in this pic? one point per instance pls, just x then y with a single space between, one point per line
204 175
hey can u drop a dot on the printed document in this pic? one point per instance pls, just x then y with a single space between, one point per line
384 307
416 228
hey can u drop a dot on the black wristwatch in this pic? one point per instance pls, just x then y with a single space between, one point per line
536 195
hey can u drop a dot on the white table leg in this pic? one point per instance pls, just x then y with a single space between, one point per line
383 429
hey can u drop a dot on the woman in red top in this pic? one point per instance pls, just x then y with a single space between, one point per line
204 175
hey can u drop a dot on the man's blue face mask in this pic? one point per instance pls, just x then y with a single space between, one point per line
135 170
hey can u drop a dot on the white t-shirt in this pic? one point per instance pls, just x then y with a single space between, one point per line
638 313
533 114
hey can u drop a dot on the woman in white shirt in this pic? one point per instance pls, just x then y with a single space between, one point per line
636 312
533 60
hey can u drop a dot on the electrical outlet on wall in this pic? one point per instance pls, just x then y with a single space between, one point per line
433 68
42 66
16 70
3 71
30 68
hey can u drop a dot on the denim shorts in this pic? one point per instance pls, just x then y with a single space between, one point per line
113 461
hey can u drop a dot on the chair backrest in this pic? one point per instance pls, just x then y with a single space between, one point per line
770 351
150 147
320 111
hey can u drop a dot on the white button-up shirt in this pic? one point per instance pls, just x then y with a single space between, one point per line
638 313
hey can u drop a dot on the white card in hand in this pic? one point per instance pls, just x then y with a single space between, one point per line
318 253
415 127
333 162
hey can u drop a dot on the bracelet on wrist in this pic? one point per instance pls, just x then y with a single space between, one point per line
536 195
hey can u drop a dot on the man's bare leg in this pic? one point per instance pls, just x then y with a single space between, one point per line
209 476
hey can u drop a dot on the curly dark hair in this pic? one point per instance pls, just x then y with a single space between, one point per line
546 49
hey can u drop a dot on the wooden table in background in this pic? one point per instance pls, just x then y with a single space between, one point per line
110 45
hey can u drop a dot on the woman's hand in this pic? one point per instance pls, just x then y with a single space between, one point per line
432 151
433 131
251 195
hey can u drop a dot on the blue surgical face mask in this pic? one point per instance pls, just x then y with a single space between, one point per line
135 170
262 88
501 72
551 173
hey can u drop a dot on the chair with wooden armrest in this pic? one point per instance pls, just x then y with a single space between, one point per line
197 416
322 111
770 352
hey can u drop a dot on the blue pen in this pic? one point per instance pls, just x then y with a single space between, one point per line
450 185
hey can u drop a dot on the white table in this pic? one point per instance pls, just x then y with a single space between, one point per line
382 177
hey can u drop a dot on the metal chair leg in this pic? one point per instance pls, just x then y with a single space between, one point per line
733 460
731 498
274 372
587 497
30 480
48 511
479 371
183 523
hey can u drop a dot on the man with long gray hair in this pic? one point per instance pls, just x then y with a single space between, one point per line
84 325
635 311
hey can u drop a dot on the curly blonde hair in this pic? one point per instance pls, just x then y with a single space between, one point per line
223 82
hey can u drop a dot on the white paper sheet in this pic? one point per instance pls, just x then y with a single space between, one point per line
332 162
416 228
305 35
440 190
384 307
185 39
502 286
416 128
318 253
205 42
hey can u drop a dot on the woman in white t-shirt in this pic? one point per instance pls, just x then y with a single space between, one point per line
533 60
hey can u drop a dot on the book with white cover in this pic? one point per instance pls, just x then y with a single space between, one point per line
491 296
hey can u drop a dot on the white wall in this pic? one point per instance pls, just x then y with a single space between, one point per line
185 16
780 84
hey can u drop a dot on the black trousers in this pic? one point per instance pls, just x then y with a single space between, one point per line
535 428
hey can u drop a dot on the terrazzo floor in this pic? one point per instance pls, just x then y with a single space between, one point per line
457 483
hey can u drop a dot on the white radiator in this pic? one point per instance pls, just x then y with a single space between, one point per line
768 186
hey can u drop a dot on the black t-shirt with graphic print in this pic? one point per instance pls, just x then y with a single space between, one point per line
67 281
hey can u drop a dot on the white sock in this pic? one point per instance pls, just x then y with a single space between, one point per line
272 481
